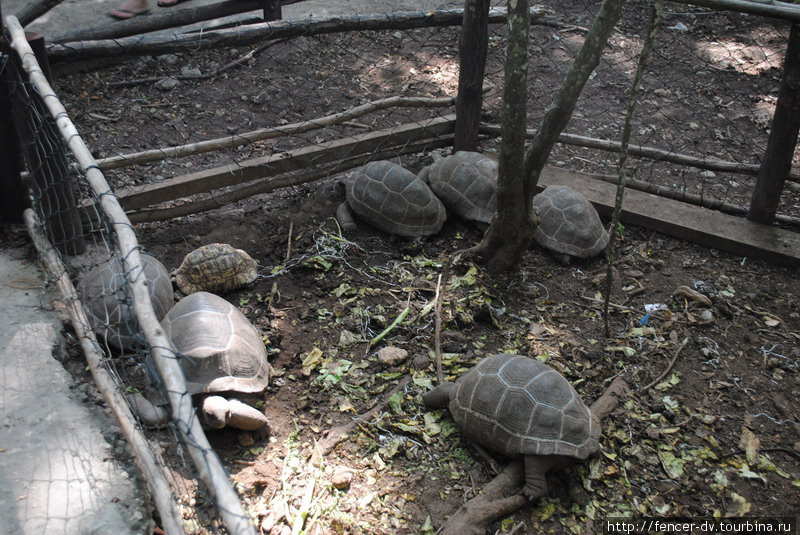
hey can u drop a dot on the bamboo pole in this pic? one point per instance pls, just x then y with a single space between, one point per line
124 160
141 45
142 453
643 151
766 8
208 464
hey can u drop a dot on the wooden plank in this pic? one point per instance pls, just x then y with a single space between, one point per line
691 223
219 177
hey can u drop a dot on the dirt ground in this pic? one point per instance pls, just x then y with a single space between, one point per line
709 428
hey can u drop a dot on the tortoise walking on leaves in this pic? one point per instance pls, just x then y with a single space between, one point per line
392 199
108 303
518 406
466 182
569 224
216 268
222 356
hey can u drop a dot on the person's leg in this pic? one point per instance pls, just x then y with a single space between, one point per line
129 9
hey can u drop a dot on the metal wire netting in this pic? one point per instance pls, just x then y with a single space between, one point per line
95 272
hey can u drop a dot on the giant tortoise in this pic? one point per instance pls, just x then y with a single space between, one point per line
569 225
520 407
105 293
466 182
222 356
392 199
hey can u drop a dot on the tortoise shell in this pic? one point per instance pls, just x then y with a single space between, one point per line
569 224
517 406
394 200
222 350
466 182
216 268
105 294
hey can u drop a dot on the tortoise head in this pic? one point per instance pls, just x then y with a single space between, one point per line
438 397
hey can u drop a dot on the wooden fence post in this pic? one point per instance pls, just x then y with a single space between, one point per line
472 59
777 161
272 10
14 199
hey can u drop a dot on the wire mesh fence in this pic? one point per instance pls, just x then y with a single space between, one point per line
184 132
705 107
83 236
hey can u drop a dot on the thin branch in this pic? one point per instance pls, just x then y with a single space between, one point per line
669 366
236 140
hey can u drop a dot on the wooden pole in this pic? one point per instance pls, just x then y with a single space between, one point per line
272 10
777 161
14 199
472 58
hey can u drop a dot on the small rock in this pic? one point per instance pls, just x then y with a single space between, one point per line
167 84
773 362
706 316
341 478
661 92
168 59
191 71
392 356
679 27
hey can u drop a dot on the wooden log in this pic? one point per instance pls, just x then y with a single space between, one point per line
160 44
782 137
472 65
203 181
33 10
206 461
643 151
143 456
236 140
765 8
170 18
270 184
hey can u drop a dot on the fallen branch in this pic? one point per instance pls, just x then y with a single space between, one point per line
437 330
500 496
669 367
263 134
337 434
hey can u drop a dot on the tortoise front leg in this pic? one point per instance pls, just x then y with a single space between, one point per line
218 412
536 467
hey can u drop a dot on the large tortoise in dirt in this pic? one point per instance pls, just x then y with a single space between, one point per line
392 199
520 407
569 225
222 356
105 294
466 182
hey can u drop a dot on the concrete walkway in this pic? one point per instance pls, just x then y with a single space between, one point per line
57 470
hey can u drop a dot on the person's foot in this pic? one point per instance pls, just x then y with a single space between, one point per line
129 9
169 3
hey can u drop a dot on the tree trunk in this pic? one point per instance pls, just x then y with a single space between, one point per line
504 243
511 230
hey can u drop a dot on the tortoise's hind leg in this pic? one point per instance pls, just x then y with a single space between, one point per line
536 467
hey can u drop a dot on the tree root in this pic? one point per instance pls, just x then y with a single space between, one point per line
338 433
500 497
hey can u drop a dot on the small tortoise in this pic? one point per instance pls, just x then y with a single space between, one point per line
466 182
216 268
105 294
222 356
392 199
520 407
569 224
